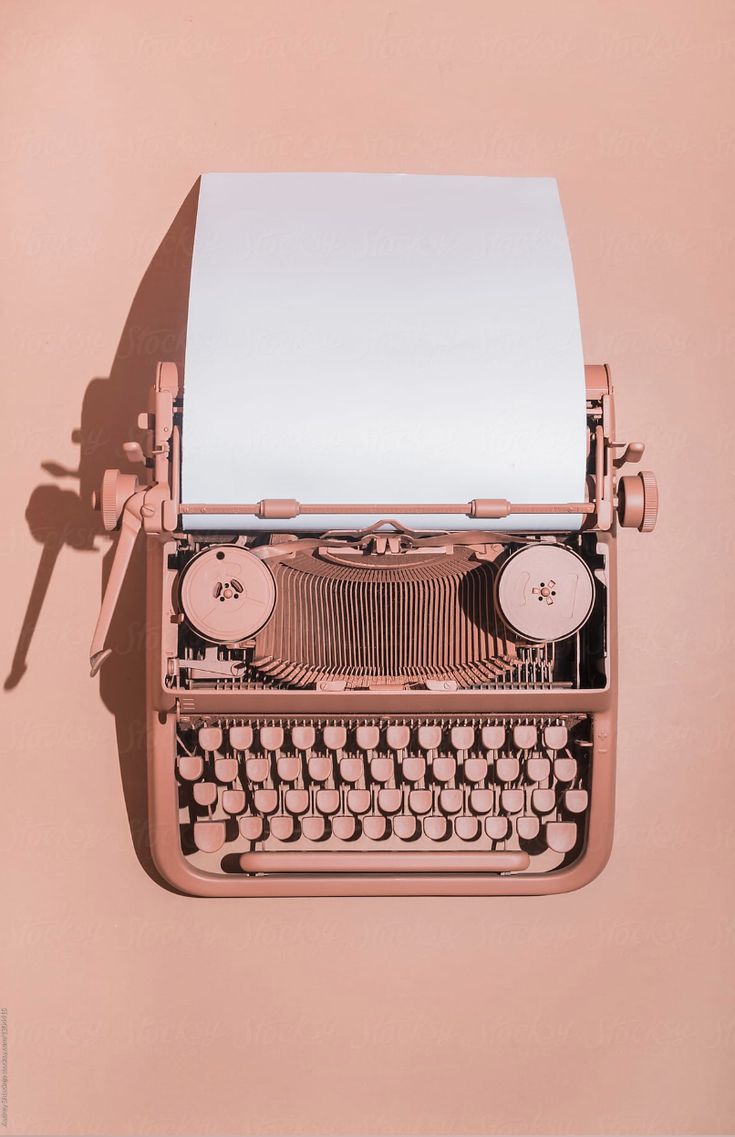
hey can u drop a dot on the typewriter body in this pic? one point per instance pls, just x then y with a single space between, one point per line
377 711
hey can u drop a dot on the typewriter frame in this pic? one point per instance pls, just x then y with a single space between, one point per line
154 507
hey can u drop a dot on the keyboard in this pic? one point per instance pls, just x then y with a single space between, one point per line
494 794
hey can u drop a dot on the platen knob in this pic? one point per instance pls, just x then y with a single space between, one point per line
638 501
116 489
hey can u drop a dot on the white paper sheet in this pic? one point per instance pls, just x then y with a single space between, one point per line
382 338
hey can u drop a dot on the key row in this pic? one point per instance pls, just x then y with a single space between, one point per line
325 769
559 836
397 737
392 801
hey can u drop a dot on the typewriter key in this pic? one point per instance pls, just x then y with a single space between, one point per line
561 836
545 592
467 828
227 594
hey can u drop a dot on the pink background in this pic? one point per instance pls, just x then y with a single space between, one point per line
134 1011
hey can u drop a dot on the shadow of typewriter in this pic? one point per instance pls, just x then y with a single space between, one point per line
60 518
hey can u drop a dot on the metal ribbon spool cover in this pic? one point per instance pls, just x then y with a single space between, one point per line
545 592
227 593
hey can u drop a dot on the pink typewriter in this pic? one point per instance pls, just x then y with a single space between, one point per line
376 709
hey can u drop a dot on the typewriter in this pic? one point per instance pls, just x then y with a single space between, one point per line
379 710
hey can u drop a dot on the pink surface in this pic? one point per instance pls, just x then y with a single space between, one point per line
132 1010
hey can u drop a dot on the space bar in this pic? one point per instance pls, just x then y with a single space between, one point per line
394 862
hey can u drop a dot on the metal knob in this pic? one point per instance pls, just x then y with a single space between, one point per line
638 501
115 491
